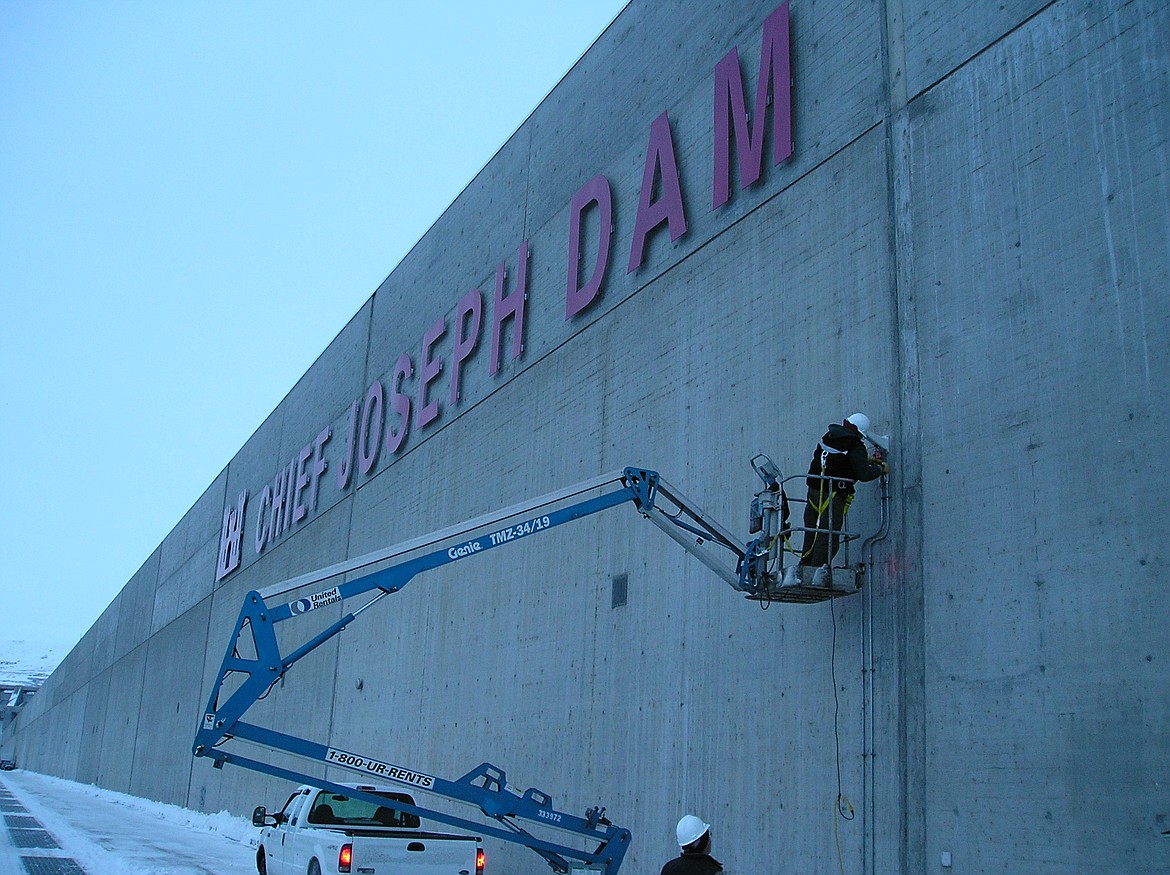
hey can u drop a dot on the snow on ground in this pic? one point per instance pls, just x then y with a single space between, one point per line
110 833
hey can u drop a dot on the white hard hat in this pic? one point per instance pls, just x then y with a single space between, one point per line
859 421
690 829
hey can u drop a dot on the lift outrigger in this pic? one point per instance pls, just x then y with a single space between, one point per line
753 569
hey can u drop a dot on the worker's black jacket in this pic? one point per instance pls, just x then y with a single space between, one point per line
693 864
846 457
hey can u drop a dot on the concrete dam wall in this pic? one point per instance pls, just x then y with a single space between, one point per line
956 220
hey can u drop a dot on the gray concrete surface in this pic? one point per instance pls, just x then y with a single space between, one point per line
971 242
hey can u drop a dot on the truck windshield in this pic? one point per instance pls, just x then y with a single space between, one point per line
339 810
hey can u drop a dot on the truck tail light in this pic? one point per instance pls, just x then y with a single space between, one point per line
479 861
345 858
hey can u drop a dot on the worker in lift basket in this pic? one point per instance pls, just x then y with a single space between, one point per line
840 453
694 840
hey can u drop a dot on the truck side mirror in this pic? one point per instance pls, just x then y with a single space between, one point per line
259 815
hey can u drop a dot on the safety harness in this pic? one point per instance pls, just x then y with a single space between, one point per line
825 495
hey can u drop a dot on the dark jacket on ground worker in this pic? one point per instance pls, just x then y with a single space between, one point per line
693 864
846 457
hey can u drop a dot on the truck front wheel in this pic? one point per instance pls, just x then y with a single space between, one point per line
261 865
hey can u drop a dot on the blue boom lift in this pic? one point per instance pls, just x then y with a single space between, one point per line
753 569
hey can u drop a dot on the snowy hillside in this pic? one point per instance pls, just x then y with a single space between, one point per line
28 663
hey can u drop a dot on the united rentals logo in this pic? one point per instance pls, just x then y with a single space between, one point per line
316 600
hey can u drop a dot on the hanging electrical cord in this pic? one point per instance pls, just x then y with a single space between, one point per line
843 807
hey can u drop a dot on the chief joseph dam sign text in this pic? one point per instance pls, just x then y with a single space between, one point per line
380 423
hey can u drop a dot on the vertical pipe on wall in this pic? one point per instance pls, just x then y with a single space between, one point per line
868 748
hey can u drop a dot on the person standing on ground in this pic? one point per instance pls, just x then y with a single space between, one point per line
694 841
839 460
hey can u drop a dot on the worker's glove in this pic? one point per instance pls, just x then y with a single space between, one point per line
885 467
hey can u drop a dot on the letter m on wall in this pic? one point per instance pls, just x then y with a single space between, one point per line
775 78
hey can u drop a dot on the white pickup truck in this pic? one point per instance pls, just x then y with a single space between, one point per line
318 832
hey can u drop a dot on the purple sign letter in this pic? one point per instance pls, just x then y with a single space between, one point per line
660 164
400 404
262 518
345 469
776 72
510 306
595 191
467 315
319 465
428 369
370 432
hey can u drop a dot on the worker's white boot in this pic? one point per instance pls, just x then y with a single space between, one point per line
822 577
791 576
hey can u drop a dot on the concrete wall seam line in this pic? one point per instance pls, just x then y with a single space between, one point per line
910 753
986 48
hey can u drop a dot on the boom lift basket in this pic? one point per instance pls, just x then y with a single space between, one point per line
771 517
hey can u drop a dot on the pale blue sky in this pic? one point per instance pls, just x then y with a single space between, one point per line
195 197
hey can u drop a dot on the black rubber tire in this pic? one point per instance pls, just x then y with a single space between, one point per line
314 867
261 865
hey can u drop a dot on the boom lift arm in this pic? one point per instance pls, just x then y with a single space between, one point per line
749 569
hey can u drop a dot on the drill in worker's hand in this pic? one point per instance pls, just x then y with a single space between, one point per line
879 456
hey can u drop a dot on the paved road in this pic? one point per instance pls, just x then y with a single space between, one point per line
59 828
